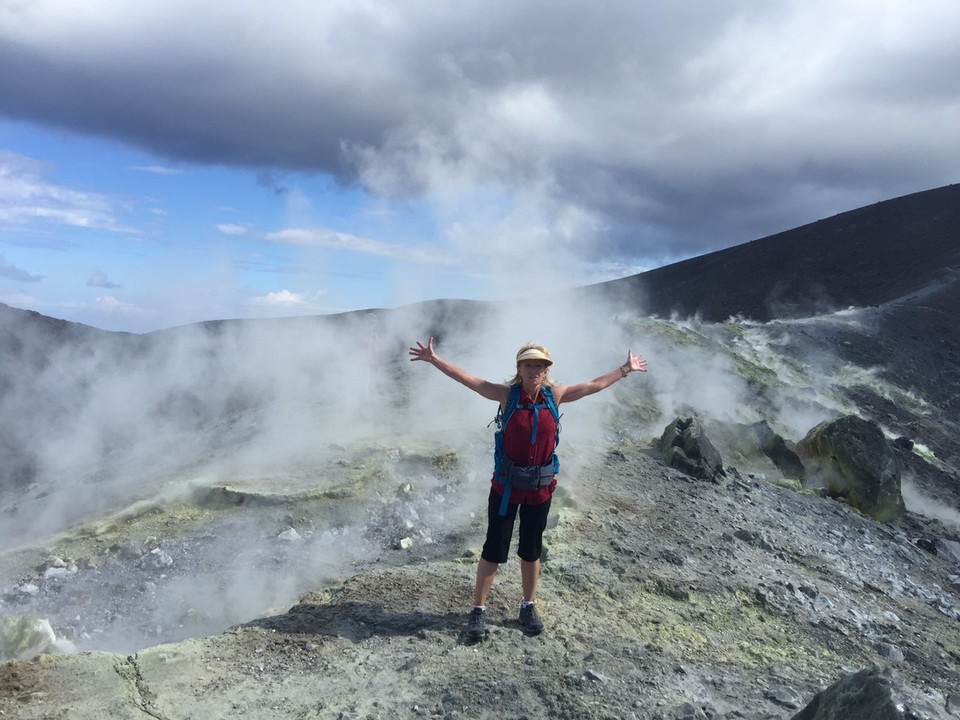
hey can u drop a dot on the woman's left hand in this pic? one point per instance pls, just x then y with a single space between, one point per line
635 363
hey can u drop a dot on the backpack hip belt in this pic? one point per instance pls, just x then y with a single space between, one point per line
530 477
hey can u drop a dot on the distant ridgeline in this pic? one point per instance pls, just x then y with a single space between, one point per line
863 257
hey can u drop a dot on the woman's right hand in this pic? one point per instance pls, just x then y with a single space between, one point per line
423 352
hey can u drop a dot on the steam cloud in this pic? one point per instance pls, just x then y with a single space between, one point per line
280 405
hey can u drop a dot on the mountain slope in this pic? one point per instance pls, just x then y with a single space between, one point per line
869 256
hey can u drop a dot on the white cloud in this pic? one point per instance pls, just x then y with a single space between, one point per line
282 298
158 169
26 199
113 306
333 240
230 229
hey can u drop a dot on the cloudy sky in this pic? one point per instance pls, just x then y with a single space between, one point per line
168 162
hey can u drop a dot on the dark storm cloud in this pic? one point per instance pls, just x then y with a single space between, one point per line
669 129
268 181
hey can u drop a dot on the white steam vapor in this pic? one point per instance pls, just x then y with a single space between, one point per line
298 406
918 502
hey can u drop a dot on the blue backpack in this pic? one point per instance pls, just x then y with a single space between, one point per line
505 470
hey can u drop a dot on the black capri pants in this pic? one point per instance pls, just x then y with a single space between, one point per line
533 521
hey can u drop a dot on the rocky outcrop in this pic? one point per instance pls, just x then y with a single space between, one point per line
865 695
852 459
775 447
686 448
758 449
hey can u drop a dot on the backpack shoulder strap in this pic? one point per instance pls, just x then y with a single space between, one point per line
503 415
551 403
513 398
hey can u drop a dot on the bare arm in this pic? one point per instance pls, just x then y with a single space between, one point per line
489 390
569 393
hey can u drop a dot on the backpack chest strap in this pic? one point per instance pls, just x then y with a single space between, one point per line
536 418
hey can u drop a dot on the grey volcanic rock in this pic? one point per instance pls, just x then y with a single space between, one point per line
865 695
757 448
739 629
686 448
775 447
852 459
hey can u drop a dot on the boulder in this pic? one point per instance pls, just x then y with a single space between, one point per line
756 445
775 447
865 695
686 448
851 458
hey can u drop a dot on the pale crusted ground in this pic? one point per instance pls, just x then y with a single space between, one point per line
739 598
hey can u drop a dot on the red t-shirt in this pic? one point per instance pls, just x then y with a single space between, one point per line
517 446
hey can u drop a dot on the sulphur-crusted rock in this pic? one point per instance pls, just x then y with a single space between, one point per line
686 448
851 458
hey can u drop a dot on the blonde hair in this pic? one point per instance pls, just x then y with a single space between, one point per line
547 380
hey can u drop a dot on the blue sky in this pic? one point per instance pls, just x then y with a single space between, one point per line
163 164
121 239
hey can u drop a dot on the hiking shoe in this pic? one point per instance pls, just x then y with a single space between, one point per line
529 620
477 623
